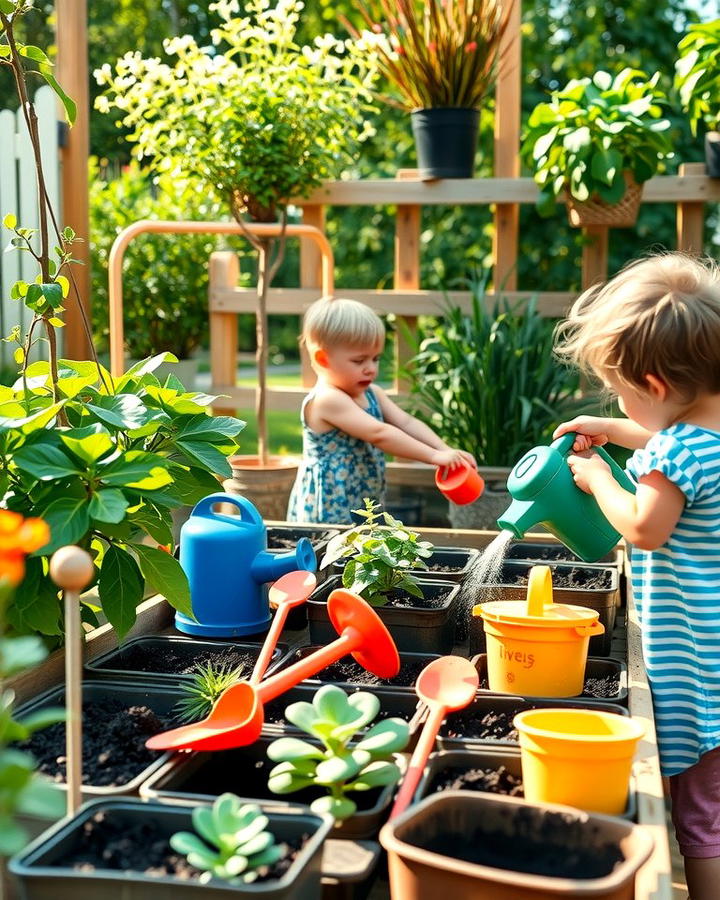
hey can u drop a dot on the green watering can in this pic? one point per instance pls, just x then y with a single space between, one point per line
544 493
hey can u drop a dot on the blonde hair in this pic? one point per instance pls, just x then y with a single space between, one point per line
659 316
337 321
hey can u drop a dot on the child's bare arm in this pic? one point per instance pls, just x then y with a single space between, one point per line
596 431
646 518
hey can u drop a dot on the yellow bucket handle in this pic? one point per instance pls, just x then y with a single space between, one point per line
539 592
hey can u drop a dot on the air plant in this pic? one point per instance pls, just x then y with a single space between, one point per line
200 694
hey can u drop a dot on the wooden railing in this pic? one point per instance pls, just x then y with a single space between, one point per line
689 192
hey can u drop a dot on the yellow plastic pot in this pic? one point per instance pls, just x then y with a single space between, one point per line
578 757
537 650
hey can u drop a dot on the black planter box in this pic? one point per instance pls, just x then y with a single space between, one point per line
113 664
201 777
42 879
485 704
602 600
551 554
595 668
414 629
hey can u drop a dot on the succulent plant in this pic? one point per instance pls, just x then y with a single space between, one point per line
334 718
200 694
231 841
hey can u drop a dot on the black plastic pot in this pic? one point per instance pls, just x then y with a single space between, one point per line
152 651
348 868
413 628
42 877
551 554
507 706
712 153
201 777
445 141
603 600
372 682
595 668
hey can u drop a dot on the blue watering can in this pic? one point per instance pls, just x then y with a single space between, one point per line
226 560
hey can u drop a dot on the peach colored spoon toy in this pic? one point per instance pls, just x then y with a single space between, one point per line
446 684
237 718
291 590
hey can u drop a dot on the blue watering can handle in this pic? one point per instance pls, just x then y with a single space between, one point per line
564 443
248 512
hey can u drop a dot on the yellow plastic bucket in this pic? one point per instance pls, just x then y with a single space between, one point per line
537 650
580 757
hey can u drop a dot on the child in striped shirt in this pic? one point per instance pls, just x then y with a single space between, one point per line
652 337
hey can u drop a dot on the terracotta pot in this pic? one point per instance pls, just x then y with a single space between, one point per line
268 487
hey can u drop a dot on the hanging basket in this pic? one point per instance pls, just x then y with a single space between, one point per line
616 215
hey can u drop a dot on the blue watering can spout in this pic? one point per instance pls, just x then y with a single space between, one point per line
268 567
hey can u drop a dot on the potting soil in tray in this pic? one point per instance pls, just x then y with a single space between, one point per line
402 600
579 577
606 688
490 779
144 847
560 847
288 539
172 661
489 726
113 734
549 554
347 670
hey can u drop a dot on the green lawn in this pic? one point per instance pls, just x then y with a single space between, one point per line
284 430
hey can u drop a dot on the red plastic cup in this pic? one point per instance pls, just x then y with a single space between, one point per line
462 485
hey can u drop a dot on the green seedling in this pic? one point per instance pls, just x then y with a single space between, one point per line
200 694
381 556
334 718
231 841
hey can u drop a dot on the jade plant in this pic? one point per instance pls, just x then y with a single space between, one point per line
202 691
381 552
232 842
334 718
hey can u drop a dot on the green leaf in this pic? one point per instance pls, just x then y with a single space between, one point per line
42 798
191 484
207 428
331 703
388 736
206 455
292 749
36 605
336 769
69 521
153 521
88 444
19 653
9 221
135 469
68 104
166 575
108 505
338 807
34 53
377 774
120 588
45 462
123 411
186 842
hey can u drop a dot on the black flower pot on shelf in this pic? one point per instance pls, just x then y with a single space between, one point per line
445 141
712 153
417 625
110 847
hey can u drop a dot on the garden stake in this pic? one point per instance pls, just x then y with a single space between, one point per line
237 718
71 568
445 685
289 591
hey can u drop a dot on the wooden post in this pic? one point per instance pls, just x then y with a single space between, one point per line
71 568
224 273
691 216
507 148
72 73
310 276
594 255
407 270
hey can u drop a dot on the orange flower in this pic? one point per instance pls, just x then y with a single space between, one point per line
18 537
471 47
432 47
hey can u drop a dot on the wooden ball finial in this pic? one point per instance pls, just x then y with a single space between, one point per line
71 568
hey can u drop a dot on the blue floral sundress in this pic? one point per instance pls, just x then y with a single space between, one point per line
337 471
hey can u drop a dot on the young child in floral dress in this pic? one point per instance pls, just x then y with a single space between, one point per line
652 336
348 422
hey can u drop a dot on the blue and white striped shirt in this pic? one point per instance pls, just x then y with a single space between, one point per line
677 590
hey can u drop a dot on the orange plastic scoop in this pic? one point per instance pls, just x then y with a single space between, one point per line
237 718
291 590
445 685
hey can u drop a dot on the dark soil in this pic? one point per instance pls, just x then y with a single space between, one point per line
446 567
114 735
287 539
552 554
579 577
476 724
435 600
560 847
347 670
174 660
492 780
607 688
144 847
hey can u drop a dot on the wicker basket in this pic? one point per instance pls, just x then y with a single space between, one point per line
597 212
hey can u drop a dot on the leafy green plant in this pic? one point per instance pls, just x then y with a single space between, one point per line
232 842
260 122
435 54
697 74
200 694
381 556
592 132
489 380
334 718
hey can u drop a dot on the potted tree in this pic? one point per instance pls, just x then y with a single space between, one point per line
697 78
596 142
260 121
441 60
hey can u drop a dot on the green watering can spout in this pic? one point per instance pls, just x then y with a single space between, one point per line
544 493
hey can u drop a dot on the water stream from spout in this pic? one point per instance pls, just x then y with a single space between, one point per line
485 571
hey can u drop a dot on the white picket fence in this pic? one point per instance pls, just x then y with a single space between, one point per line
18 195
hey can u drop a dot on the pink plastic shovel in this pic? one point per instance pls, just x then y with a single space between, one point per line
237 718
291 590
445 685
